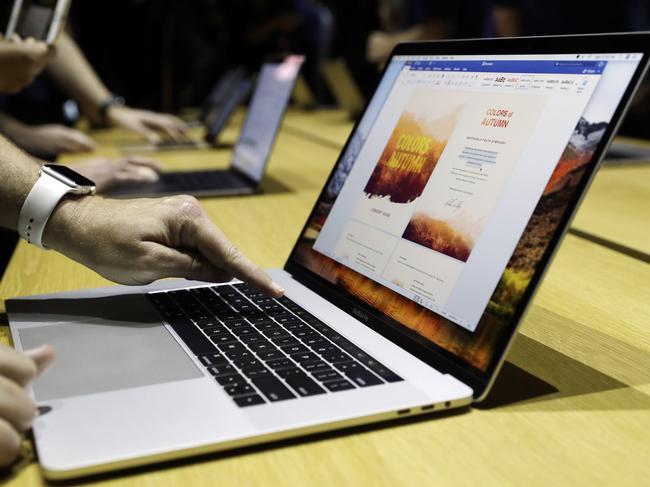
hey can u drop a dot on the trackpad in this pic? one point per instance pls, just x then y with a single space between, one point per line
103 356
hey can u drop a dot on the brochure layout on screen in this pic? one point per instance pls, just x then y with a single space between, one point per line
449 174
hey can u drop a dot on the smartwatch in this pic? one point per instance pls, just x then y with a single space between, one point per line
53 184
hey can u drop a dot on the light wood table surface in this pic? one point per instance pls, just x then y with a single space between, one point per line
571 408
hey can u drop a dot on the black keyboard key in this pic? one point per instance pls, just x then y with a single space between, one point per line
295 326
238 354
304 385
226 347
284 373
288 318
270 355
252 400
196 341
203 324
238 323
213 359
381 370
284 341
247 363
305 358
228 380
224 338
258 319
275 333
312 367
362 377
291 349
349 366
335 357
238 389
326 375
272 388
244 331
250 339
325 347
281 363
256 372
305 334
265 325
215 330
338 385
225 369
261 346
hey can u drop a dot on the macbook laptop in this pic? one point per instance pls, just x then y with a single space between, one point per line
404 289
252 149
342 85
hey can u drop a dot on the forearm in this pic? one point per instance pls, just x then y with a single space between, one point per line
74 74
18 173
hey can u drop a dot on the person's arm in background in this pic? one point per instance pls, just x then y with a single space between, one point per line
380 43
45 140
72 72
507 18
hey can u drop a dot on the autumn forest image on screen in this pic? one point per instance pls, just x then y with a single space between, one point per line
413 149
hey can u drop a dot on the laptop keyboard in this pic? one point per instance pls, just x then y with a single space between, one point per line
261 349
198 180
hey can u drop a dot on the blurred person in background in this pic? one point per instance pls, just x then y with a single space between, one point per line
513 18
419 20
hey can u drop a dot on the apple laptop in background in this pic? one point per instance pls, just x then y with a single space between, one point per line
404 290
43 20
624 151
343 87
251 151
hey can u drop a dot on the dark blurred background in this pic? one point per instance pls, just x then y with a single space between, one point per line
167 54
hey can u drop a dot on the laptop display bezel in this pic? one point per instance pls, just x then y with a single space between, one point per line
428 351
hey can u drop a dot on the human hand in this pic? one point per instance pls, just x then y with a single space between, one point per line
51 139
151 125
21 61
379 46
106 173
17 409
139 241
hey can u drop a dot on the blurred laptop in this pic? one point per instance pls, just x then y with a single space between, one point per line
228 93
628 151
251 151
342 85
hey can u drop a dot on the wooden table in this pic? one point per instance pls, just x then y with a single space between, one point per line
571 408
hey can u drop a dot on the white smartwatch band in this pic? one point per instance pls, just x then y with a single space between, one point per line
38 206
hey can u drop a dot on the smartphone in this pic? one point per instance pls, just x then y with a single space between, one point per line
43 20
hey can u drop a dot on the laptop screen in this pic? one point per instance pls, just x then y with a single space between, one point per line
453 184
264 117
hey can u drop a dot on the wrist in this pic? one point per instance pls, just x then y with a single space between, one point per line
72 214
107 108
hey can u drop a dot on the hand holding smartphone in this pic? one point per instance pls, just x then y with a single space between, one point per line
42 20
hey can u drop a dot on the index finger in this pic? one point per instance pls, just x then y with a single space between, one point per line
16 366
222 253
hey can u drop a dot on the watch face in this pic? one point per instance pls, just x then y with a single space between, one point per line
67 175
